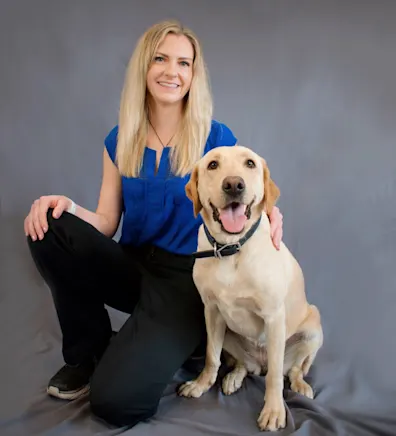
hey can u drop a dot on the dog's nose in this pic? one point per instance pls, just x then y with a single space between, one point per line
233 186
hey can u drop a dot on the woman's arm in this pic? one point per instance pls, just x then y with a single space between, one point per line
276 222
108 212
105 219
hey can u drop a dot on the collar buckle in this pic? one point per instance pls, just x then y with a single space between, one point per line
217 250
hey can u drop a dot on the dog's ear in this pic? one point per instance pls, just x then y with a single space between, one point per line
192 191
271 190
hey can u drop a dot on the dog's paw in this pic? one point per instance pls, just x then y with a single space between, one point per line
272 417
192 389
302 387
232 382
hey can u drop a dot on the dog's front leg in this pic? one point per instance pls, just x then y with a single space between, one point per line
273 415
215 327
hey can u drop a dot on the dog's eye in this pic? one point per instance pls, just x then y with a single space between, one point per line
250 163
213 165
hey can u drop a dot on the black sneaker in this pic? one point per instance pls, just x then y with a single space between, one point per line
71 381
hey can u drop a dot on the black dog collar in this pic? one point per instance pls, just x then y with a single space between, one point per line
221 250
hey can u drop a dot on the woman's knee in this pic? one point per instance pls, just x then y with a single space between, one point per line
120 406
41 248
49 251
56 237
53 224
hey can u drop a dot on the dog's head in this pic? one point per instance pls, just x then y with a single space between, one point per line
231 187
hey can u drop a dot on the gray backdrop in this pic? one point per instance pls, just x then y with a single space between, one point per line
309 84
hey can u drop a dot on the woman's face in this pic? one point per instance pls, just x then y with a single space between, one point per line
170 73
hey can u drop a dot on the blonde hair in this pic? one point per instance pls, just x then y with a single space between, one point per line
133 120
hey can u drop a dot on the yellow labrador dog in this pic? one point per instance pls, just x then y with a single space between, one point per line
254 295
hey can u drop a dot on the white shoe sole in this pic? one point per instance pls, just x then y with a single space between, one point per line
70 395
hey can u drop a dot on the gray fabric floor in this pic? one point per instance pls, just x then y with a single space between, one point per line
310 85
354 396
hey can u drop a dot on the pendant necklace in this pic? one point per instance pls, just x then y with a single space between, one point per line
159 139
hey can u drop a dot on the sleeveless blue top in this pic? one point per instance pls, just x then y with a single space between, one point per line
155 207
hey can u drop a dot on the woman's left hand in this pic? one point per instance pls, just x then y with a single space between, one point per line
276 222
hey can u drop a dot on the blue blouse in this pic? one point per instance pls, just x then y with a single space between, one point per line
156 209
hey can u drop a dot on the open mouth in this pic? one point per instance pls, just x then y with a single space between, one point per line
168 85
233 217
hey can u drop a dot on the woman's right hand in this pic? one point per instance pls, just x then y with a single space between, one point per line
36 224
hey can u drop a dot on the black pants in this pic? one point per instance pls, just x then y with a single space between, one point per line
86 270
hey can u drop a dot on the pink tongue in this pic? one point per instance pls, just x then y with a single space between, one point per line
233 219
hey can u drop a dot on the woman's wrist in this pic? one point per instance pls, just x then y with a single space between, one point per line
72 207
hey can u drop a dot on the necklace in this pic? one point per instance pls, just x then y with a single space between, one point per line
159 139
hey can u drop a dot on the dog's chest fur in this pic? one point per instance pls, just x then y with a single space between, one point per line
242 289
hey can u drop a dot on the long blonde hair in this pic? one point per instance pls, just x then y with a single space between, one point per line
133 120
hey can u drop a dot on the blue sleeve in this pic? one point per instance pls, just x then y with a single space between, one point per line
221 135
111 142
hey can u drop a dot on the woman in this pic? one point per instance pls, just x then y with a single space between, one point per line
165 126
